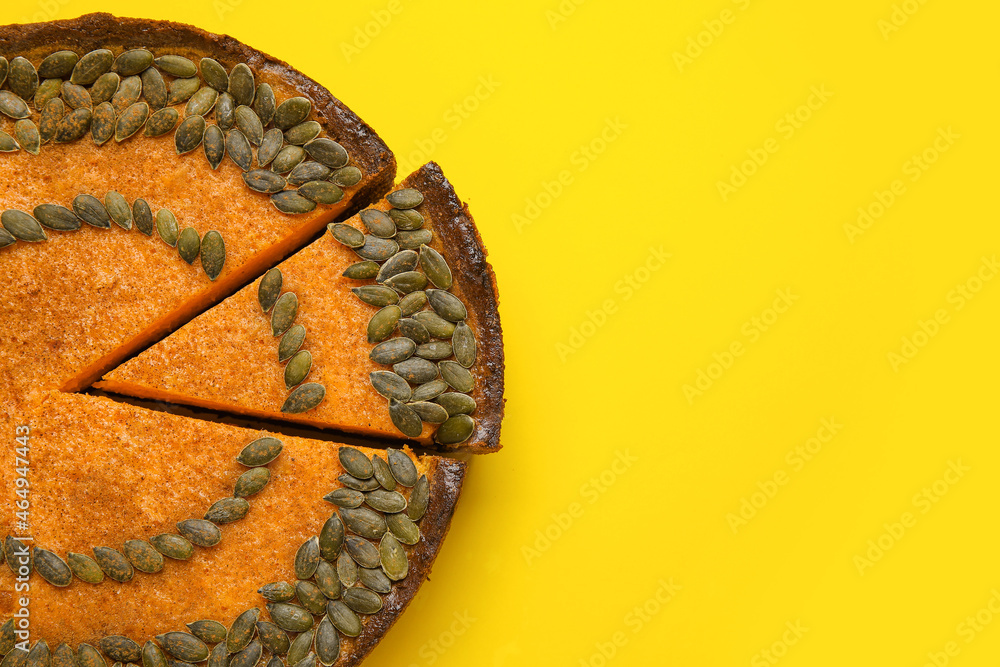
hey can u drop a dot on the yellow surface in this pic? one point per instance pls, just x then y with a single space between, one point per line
533 91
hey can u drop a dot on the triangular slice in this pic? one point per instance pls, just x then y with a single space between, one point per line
228 358
106 474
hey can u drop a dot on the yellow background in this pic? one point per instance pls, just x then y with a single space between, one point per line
662 133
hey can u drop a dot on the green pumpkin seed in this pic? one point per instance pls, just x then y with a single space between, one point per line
273 638
225 111
15 658
345 498
291 112
386 501
447 305
129 63
166 226
248 657
432 413
13 106
406 198
378 223
105 88
249 124
49 90
22 226
7 143
48 123
345 177
220 654
355 463
310 597
213 254
391 386
178 66
464 343
85 568
393 558
361 270
402 527
287 159
183 646
376 295
285 310
4 69
401 262
377 249
270 146
215 146
292 202
132 120
238 149
86 71
365 523
39 655
307 558
327 580
435 350
27 136
15 547
321 192
88 656
402 467
327 642
154 88
408 281
429 391
345 620
414 330
347 570
331 538
291 342
152 656
142 215
90 209
419 499
103 124
308 171
202 102
456 430
383 323
290 618
189 134
252 482
241 84
406 220
63 656
392 351
264 180
172 546
269 289
77 97
303 133
362 600
181 90
118 209
346 234
227 510
416 370
143 556
115 565
328 152
162 122
457 376
414 239
128 93
52 568
300 647
375 580
304 398
436 268
23 78
202 533
57 65
413 302
215 75
260 452
436 325
242 630
264 103
298 369
280 591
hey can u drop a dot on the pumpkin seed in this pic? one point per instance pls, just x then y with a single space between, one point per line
152 656
292 202
273 638
383 323
260 452
172 546
327 580
377 249
327 151
347 570
435 350
321 192
300 647
13 106
401 262
291 342
202 533
297 369
85 568
436 268
241 84
310 597
331 538
210 632
291 112
105 88
407 219
77 97
189 134
181 90
307 558
361 270
154 88
345 498
345 620
202 102
456 430
365 523
215 75
178 66
287 159
270 145
308 661
378 223
88 656
414 239
90 209
115 565
225 111
56 217
285 310
392 351
213 254
166 226
432 413
327 642
346 234
248 657
162 122
385 501
220 654
49 90
405 198
390 385
345 177
249 124
308 171
408 281
280 591
413 303
264 180
132 120
15 658
15 547
304 398
183 646
269 289
143 556
402 467
264 103
447 305
402 527
63 656
362 600
242 630
103 124
86 71
56 65
416 370
355 463
4 69
227 510
393 558
130 63
128 93
22 78
303 133
429 391
436 325
290 618
52 568
48 122
215 146
376 295
375 580
27 136
238 149
251 482
38 656
457 376
118 209
414 330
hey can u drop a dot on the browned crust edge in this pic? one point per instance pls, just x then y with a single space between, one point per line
467 257
446 486
102 30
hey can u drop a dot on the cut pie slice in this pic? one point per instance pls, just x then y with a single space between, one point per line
421 267
327 559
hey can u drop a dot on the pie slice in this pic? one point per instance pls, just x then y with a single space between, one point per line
119 494
227 359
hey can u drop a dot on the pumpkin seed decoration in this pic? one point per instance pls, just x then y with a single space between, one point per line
298 369
303 133
242 630
103 123
86 71
286 308
292 202
321 192
310 597
331 538
392 351
214 75
413 303
225 111
328 152
378 223
162 122
49 120
435 350
38 656
264 180
456 403
7 143
270 145
291 342
432 413
393 558
249 124
376 295
414 239
114 564
345 177
457 376
352 482
134 61
56 217
385 501
362 600
414 330
308 171
27 136
63 656
436 325
403 529
184 646
405 198
166 226
291 112
447 305
374 579
219 657
208 631
416 370
15 658
455 431
404 260
348 498
152 656
407 219
131 121
118 209
56 65
181 90
346 234
408 281
154 88
402 467
377 249
307 558
290 618
345 620
300 647
105 88
429 391
252 482
172 546
213 254
273 638
390 385
248 657
128 93
355 463
383 323
280 591
327 580
327 643
215 146
189 134
142 215
49 90
13 106
85 568
361 270
90 209
202 102
202 533
7 636
77 97
23 78
227 510
88 656
264 103
238 149
4 69
305 397
241 84
52 568
177 66
365 523
143 556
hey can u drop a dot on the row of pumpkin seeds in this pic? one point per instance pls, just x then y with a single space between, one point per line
111 107
398 257
284 308
322 589
148 556
21 226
